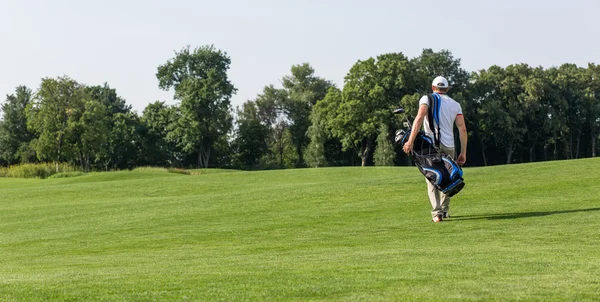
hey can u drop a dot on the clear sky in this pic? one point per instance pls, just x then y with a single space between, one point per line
122 42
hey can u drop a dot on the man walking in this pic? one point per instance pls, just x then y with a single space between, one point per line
450 114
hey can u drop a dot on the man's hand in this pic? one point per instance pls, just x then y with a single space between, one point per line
408 146
462 159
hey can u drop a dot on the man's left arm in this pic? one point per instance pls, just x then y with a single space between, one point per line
462 130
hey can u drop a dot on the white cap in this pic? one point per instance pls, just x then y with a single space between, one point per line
440 82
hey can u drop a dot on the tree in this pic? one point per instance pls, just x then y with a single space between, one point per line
108 98
373 89
14 135
124 142
592 103
315 152
199 78
282 152
119 146
384 152
50 117
159 147
281 149
303 90
570 89
269 105
251 137
71 126
88 127
536 108
501 116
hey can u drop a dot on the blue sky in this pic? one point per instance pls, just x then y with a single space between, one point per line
123 42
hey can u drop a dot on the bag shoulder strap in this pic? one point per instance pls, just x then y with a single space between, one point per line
433 117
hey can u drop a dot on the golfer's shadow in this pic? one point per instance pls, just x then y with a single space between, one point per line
519 215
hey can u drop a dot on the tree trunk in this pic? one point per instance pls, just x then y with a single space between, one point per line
60 139
87 163
81 163
300 156
483 152
365 154
509 153
203 157
58 151
555 151
363 157
280 140
593 142
577 146
531 154
532 148
569 147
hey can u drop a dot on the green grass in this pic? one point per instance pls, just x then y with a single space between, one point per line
519 232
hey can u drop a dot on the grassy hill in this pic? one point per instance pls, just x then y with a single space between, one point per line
517 232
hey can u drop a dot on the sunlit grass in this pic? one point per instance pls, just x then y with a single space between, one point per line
521 232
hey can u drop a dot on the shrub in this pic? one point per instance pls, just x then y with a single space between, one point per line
149 169
66 174
40 170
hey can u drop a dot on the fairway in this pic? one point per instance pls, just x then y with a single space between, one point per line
516 232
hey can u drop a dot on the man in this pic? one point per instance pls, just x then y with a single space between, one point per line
450 113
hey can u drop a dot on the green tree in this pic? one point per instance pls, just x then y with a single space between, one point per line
14 135
199 78
71 126
373 88
108 97
251 137
592 103
158 146
500 114
50 116
384 152
536 108
124 142
119 146
568 80
303 90
88 127
282 152
315 152
269 105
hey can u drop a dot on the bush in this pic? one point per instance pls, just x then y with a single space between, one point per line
41 170
183 171
66 174
149 169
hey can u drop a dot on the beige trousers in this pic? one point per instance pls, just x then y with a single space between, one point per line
439 201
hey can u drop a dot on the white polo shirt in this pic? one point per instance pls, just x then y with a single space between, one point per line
449 110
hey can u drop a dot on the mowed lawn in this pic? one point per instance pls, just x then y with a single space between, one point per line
519 232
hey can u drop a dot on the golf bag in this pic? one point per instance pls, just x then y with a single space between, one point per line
440 169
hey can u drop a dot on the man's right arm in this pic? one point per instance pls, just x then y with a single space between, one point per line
462 129
417 123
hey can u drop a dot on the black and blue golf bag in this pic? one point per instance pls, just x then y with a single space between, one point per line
440 169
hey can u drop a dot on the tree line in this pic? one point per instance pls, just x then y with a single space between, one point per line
514 114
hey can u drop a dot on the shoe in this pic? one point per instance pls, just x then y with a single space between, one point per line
446 215
437 218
